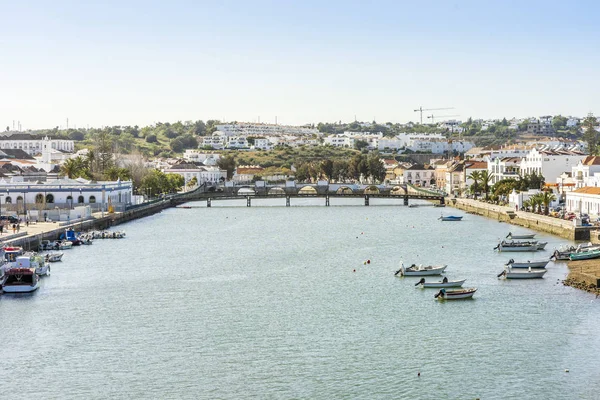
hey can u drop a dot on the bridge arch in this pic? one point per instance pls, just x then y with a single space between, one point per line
277 190
397 190
307 190
246 191
344 190
371 190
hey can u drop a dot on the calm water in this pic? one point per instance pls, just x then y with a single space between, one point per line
263 302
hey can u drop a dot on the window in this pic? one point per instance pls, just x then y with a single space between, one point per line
49 198
70 199
92 199
80 199
8 200
39 198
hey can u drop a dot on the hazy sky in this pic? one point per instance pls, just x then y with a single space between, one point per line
138 62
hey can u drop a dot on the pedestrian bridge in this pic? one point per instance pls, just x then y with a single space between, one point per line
301 190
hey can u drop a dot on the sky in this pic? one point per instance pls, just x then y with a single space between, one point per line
142 62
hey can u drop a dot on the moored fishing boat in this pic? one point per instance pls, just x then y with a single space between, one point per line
450 218
529 264
522 236
541 245
420 270
20 280
522 274
584 255
455 294
64 245
445 283
53 257
516 246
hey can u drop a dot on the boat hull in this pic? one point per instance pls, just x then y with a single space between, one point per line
456 294
423 272
451 218
531 236
525 274
518 248
20 288
533 264
439 285
587 255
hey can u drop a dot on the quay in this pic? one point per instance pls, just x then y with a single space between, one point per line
583 275
30 237
559 227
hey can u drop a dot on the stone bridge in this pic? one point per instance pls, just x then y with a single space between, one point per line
298 190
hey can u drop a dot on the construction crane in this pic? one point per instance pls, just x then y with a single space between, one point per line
421 109
440 116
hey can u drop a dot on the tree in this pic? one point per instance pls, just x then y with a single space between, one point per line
340 170
74 168
559 122
302 173
151 138
547 197
176 145
486 177
360 144
590 134
103 151
76 135
227 163
375 167
476 177
327 169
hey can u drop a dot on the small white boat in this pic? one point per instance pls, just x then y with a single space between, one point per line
528 274
53 257
20 280
455 294
65 245
445 283
522 236
32 260
420 270
516 246
529 264
541 245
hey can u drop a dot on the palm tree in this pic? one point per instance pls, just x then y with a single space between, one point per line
526 204
536 202
547 197
485 177
475 176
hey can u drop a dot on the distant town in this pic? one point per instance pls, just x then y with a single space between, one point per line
505 161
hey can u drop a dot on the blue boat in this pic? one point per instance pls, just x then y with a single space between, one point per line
450 218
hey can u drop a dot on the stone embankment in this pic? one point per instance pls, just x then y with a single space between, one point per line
584 275
542 223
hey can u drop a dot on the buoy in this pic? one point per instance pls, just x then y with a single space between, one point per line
353 270
567 370
364 263
418 373
368 261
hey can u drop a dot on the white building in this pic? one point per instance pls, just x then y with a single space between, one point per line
572 122
584 200
203 174
339 141
583 173
195 155
254 129
65 193
501 168
419 175
549 164
33 144
215 141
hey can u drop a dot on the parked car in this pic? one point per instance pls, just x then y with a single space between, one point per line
10 218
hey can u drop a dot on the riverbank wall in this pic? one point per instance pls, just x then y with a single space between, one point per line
99 221
542 223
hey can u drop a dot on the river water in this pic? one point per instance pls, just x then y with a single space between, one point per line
274 302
